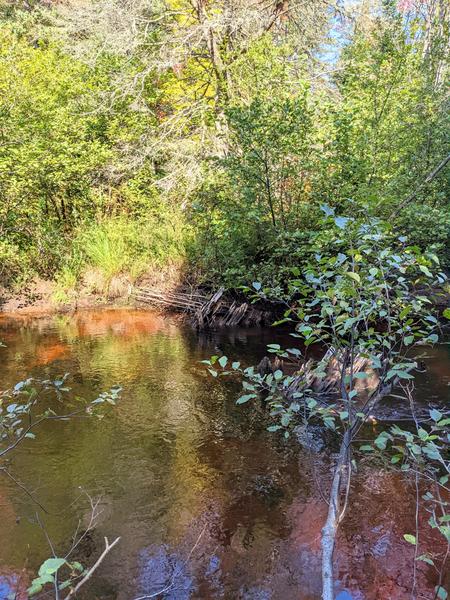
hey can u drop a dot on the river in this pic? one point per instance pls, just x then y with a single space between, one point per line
207 503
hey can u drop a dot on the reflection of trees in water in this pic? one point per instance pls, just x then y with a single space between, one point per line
177 428
176 455
243 513
162 569
14 584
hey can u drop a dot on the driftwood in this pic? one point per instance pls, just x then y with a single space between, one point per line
176 300
217 310
327 390
327 387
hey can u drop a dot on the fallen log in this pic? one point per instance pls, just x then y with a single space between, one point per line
217 310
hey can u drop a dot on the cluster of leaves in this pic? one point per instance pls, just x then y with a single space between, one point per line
367 299
52 568
21 409
424 452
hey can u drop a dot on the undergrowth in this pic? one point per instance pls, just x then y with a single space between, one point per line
121 247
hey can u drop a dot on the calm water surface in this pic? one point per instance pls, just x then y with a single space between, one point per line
206 502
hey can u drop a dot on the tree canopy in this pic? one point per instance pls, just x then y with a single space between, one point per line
239 118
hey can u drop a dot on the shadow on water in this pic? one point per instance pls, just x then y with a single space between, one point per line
208 504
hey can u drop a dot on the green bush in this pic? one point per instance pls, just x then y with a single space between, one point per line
427 227
12 262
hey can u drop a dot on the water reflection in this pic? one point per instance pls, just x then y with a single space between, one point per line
207 503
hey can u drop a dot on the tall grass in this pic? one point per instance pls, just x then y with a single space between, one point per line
106 247
124 247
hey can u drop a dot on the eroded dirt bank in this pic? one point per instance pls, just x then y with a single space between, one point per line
40 297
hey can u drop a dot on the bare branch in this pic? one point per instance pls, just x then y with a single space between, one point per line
91 571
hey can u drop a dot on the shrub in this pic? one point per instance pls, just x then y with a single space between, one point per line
427 227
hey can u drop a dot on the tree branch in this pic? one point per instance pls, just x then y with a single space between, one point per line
108 548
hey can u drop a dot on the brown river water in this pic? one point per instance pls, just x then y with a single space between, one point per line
207 503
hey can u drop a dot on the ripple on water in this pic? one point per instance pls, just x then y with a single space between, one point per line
207 503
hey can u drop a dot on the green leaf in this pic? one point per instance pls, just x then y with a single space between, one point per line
245 398
327 210
436 415
446 313
404 375
223 361
354 276
285 419
366 448
441 593
294 351
51 565
425 270
408 340
35 587
273 428
64 584
426 559
361 375
411 539
422 434
381 441
405 312
341 222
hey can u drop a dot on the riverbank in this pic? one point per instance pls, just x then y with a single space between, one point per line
39 296
230 309
165 292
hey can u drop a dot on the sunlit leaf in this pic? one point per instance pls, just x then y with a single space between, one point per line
411 539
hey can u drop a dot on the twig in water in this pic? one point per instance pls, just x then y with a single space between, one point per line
88 575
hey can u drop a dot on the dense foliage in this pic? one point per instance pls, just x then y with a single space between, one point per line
206 134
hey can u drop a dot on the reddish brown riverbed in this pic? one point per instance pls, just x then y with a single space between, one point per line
208 504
